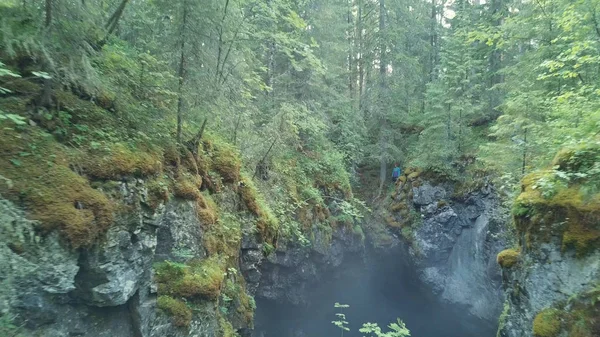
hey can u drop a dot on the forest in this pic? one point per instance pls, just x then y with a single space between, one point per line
449 86
293 105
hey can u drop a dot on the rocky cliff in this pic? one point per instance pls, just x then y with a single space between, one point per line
111 289
552 279
453 237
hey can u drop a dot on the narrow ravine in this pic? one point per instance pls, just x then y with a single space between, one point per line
384 289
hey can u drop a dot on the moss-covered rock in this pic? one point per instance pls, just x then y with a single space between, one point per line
508 258
562 203
266 223
121 160
41 181
177 309
198 278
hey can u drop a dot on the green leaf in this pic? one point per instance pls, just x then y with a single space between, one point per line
16 162
41 74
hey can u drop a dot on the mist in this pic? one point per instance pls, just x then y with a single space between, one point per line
379 292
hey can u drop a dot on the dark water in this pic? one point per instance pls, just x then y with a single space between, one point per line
380 293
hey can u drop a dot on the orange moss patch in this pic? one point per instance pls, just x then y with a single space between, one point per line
42 182
186 188
508 258
207 210
398 206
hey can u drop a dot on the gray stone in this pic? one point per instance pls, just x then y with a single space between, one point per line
427 194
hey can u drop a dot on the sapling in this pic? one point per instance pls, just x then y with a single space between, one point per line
341 321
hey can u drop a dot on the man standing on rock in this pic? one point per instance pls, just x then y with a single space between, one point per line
396 172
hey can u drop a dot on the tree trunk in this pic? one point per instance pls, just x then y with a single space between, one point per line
382 97
271 62
181 74
111 25
48 12
350 32
361 66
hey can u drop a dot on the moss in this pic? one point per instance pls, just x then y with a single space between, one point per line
391 222
186 188
207 209
266 224
225 328
503 318
121 160
580 329
43 183
547 323
442 203
226 161
508 258
246 306
414 175
562 211
408 234
398 206
178 310
198 278
580 237
22 86
158 191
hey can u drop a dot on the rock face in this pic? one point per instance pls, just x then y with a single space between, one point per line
105 290
108 289
545 279
288 273
556 277
453 244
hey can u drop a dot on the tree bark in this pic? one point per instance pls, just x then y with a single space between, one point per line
112 22
382 106
361 65
48 12
181 74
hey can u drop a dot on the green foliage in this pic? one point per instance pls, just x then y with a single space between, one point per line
397 329
341 322
8 328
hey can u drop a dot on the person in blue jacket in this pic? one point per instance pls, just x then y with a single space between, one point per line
396 172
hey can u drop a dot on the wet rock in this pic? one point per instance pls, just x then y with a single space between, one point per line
179 235
454 249
427 194
111 273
